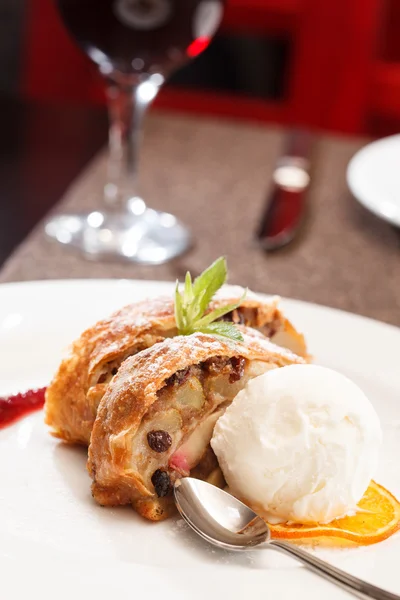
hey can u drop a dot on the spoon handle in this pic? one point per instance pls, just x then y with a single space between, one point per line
351 584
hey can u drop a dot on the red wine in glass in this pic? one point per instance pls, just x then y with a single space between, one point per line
136 45
141 36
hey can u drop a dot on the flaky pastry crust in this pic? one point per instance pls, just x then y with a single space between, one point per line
84 375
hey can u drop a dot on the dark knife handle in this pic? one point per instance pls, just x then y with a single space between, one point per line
282 218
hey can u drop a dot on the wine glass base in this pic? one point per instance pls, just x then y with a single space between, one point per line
152 237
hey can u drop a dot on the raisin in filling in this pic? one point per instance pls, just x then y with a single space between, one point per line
238 364
159 441
162 483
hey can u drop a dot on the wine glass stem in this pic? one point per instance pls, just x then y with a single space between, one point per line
126 107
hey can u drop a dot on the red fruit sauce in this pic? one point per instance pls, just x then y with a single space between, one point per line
16 407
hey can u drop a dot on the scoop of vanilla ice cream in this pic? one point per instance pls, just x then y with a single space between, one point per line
299 444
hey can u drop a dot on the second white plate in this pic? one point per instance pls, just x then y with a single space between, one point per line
373 176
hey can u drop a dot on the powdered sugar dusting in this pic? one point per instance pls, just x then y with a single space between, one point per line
144 313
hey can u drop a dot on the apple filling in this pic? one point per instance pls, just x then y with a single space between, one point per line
173 440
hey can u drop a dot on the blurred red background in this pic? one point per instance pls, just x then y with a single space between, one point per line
341 72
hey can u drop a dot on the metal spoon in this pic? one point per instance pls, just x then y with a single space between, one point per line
227 523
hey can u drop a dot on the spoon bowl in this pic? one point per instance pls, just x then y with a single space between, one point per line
232 526
224 521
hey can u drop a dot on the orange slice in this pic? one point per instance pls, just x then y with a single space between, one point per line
377 519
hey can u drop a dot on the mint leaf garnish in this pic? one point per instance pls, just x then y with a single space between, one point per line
191 305
223 328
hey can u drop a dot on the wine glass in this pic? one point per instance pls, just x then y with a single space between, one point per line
136 45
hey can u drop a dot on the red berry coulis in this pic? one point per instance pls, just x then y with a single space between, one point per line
15 407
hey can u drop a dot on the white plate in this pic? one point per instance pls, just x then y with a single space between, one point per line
55 542
373 178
